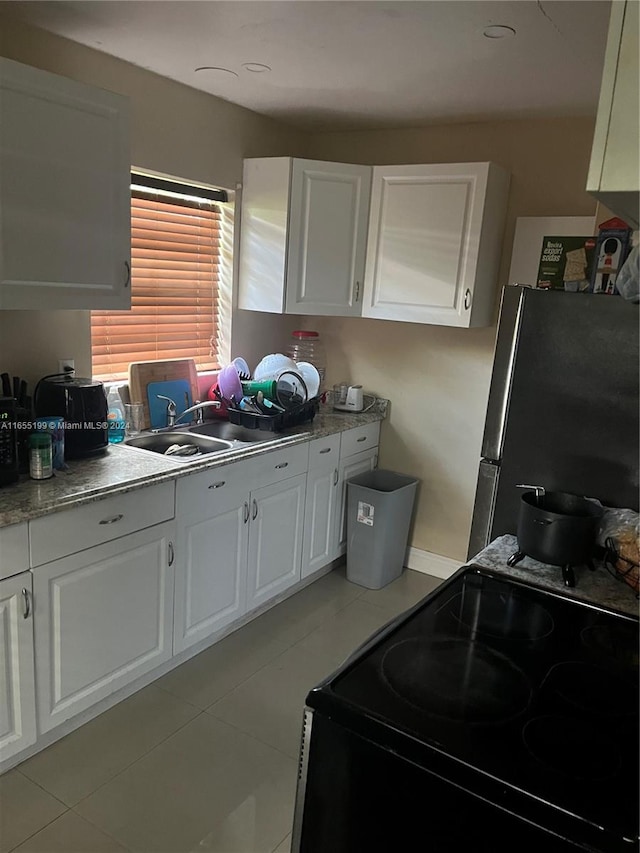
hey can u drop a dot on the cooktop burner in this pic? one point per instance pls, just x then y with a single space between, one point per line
613 642
513 683
593 689
456 679
504 615
573 747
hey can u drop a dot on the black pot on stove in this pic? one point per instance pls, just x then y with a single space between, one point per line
557 528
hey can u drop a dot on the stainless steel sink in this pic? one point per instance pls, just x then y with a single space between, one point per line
160 443
233 432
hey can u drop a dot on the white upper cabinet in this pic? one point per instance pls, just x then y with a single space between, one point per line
614 171
65 169
303 236
435 237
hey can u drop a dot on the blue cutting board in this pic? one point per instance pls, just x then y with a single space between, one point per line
180 392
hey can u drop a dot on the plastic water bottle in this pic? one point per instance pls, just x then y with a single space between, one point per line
115 416
307 346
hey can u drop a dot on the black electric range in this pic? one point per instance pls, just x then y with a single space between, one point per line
493 716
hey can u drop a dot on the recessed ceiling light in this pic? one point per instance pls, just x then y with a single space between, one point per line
255 67
499 31
216 68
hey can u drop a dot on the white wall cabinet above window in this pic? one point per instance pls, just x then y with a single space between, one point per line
435 238
614 171
64 160
303 236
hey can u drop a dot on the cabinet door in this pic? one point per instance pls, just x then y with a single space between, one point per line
329 211
319 519
104 618
435 236
210 570
64 158
360 463
17 682
614 171
275 539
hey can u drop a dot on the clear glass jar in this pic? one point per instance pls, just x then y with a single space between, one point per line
307 346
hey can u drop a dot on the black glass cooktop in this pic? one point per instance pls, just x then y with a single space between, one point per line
532 689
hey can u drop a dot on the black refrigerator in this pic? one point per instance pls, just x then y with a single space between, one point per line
563 405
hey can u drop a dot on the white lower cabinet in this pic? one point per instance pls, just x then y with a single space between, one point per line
17 687
275 539
211 554
239 543
320 516
104 618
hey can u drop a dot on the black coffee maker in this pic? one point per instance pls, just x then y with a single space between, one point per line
83 405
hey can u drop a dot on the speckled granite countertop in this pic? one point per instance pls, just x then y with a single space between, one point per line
121 469
595 587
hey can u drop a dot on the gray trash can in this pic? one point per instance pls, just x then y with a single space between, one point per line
379 507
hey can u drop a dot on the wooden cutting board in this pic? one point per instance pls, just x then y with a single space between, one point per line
141 373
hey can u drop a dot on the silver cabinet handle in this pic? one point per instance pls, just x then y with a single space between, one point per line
128 278
26 610
282 465
335 476
111 520
467 299
326 450
246 513
357 296
362 438
171 553
254 514
217 485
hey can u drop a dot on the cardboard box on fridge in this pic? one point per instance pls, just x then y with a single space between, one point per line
566 263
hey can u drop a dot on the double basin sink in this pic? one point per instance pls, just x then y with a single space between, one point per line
200 439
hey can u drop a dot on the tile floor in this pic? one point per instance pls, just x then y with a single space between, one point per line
205 758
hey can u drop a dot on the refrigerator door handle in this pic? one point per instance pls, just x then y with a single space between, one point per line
482 522
511 309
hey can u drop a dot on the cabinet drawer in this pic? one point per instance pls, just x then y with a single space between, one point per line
280 465
214 491
324 452
14 550
63 533
359 439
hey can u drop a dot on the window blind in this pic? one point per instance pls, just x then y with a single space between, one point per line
175 258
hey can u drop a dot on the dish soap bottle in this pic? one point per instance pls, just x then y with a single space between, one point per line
115 416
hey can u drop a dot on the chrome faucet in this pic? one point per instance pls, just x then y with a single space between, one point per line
198 408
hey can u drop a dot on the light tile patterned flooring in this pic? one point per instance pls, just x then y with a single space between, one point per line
205 758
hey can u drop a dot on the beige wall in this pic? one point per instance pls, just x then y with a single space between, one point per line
174 130
436 378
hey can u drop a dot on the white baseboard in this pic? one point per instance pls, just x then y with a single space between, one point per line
431 564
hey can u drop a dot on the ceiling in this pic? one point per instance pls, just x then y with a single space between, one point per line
349 65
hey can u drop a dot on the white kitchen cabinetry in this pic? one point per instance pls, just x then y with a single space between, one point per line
14 549
275 539
303 236
212 545
104 617
614 171
435 237
353 461
65 237
17 685
239 540
320 504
